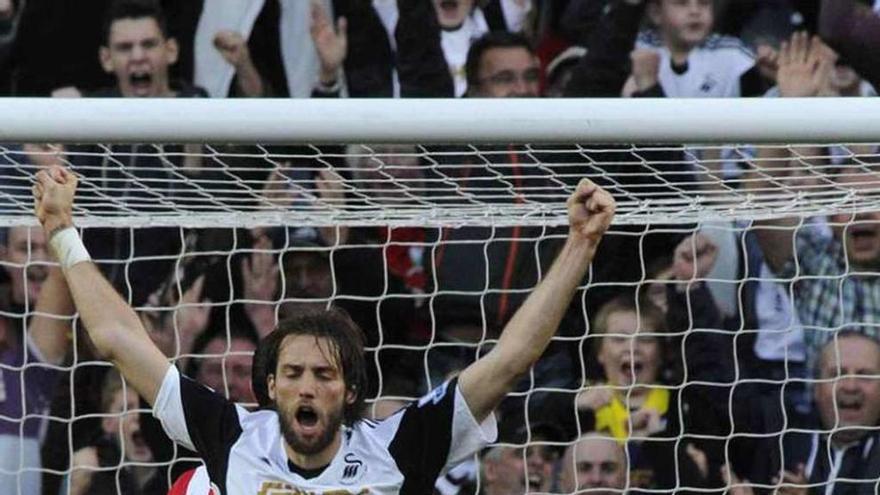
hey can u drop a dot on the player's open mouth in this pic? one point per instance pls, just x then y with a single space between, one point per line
306 417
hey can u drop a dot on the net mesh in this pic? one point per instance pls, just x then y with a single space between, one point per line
431 250
201 186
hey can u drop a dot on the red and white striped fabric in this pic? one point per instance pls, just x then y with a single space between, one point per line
193 482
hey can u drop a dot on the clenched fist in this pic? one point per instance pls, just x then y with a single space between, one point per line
53 198
590 212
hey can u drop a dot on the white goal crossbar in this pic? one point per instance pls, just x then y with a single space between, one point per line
715 140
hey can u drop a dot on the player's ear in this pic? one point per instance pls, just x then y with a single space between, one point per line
270 385
351 395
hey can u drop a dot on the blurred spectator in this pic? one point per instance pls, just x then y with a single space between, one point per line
506 470
502 65
119 460
222 43
596 463
682 58
262 48
561 69
28 347
394 49
634 404
853 30
839 455
138 52
223 362
462 23
848 399
605 66
822 265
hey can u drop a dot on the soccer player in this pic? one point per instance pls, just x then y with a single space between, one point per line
312 440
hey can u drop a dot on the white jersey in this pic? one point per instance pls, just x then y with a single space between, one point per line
244 451
713 69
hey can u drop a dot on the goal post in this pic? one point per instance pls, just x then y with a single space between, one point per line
430 221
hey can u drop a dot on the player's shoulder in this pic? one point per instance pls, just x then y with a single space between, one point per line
260 428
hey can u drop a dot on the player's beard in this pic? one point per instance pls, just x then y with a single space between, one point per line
333 424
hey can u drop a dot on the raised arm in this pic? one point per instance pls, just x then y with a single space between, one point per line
112 325
804 68
485 383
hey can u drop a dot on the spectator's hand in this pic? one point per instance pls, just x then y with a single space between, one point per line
192 315
53 193
646 422
694 258
701 460
645 68
233 47
767 61
259 274
590 212
331 44
84 463
804 66
792 483
735 485
331 191
593 398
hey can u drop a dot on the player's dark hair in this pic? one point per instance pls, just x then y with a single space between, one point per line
490 40
336 326
132 9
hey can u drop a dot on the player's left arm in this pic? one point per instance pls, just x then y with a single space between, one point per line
485 383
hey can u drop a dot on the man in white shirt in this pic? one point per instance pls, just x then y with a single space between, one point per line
311 439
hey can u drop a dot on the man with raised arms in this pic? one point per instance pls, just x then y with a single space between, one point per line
311 439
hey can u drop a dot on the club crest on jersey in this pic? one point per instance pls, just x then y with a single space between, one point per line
435 396
708 84
354 469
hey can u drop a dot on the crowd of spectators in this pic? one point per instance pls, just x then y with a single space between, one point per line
694 358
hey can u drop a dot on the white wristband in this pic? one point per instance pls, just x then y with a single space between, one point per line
68 248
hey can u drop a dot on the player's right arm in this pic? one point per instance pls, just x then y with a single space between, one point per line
111 323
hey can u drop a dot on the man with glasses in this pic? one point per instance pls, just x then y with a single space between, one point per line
503 65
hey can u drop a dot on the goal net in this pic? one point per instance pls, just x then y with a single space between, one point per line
716 322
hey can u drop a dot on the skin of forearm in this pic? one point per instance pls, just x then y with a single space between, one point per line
249 81
528 333
116 331
103 312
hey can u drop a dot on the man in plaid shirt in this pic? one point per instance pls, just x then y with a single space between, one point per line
834 280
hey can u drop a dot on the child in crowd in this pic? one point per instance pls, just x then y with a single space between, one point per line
681 57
